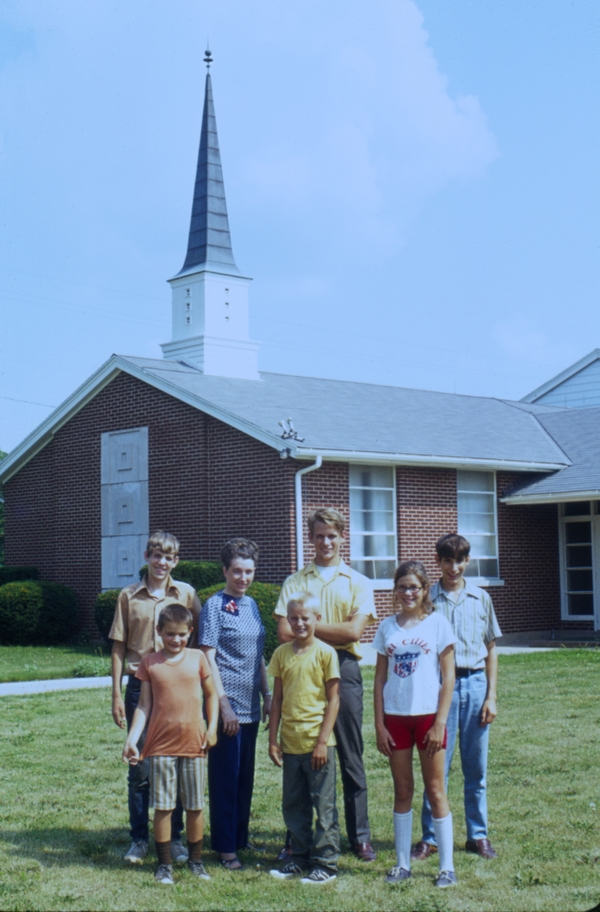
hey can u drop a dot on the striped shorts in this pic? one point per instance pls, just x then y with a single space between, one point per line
170 775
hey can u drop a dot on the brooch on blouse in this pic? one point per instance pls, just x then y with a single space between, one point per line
231 607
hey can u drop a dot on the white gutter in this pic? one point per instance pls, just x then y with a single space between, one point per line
438 462
557 497
298 499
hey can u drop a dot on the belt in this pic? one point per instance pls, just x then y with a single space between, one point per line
467 672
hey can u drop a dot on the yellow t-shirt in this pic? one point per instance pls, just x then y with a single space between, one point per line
304 694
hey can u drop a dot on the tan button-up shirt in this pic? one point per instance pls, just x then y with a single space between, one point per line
348 592
136 616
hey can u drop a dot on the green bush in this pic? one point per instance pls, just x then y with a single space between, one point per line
96 666
58 618
104 610
265 595
13 574
198 574
21 604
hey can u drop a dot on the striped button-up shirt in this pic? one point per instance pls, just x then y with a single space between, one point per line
473 620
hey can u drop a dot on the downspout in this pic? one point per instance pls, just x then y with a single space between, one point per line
298 499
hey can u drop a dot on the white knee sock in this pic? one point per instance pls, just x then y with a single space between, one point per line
442 827
402 838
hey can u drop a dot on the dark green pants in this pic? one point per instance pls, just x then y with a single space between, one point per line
305 789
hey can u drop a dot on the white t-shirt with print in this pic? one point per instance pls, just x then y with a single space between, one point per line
413 684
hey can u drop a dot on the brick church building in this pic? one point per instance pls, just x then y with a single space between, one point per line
202 443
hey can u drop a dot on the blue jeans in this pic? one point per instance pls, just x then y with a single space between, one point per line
137 778
465 713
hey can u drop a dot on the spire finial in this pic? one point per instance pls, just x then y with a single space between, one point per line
207 58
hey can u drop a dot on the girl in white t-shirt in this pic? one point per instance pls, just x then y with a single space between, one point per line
415 650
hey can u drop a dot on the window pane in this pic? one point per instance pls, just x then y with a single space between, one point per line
368 499
483 545
384 569
580 580
488 567
581 604
578 532
579 508
477 522
475 503
364 521
475 481
372 546
371 477
579 556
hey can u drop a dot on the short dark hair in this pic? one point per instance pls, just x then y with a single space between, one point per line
452 546
239 547
175 614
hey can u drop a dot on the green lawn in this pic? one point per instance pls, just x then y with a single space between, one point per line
42 663
64 817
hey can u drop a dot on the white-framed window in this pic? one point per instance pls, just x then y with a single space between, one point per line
373 544
477 521
578 527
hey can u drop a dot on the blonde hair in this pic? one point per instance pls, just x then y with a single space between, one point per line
305 600
163 541
328 517
413 568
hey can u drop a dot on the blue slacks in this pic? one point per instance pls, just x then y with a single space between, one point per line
230 785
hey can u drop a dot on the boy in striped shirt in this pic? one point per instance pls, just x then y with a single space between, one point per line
471 614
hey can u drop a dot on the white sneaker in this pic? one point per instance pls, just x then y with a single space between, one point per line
137 851
291 869
179 853
318 876
164 874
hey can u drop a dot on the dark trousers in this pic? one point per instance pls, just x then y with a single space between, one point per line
349 740
303 790
230 785
137 777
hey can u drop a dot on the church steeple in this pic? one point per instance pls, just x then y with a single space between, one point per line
209 243
210 297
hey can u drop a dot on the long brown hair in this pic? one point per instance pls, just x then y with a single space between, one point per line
414 568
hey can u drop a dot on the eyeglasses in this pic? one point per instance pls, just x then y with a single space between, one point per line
412 589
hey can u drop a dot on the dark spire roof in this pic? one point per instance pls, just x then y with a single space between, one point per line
209 244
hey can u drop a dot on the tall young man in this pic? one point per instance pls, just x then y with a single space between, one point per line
347 607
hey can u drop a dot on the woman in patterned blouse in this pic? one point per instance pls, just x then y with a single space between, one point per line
232 636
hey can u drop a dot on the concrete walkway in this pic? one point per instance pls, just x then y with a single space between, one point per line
22 688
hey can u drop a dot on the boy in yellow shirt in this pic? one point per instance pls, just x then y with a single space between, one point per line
306 701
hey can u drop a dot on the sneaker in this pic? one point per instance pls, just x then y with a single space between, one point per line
318 876
179 853
198 870
397 874
137 851
291 869
446 879
164 874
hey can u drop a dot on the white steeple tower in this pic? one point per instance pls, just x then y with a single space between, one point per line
210 297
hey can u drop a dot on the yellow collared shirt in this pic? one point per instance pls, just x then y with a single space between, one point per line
347 593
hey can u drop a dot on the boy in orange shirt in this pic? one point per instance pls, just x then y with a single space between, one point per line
173 682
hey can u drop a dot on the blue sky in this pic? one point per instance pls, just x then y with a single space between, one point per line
413 186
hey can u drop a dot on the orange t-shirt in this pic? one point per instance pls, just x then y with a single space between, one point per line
176 727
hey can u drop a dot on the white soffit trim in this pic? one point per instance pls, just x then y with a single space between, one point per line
435 462
555 497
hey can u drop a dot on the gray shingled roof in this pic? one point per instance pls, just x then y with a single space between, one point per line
577 433
347 417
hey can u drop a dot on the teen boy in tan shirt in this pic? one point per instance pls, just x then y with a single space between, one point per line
134 636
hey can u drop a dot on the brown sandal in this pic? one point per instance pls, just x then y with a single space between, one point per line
232 864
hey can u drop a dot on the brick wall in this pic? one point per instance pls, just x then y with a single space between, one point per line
207 482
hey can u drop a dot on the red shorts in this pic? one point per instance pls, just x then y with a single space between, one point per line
409 730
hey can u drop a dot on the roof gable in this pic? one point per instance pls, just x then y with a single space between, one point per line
578 386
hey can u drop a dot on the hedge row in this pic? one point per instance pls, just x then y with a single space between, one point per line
38 612
264 594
